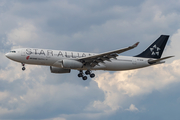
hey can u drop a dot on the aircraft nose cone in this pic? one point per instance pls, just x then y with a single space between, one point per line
7 55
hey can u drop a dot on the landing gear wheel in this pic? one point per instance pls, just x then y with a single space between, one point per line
23 68
92 75
87 72
80 75
85 78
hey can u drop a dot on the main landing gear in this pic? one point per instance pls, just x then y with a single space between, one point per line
23 68
88 72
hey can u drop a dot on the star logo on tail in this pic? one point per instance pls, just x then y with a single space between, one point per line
155 50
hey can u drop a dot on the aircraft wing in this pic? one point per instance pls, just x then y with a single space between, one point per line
95 59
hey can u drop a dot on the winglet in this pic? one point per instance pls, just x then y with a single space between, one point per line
135 45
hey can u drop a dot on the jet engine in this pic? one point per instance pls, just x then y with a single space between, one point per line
71 64
59 70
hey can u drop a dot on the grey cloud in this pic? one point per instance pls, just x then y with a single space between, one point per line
90 26
37 98
114 22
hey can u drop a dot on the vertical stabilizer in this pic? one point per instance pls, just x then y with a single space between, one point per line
156 49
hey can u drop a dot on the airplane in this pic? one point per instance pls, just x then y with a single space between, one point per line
63 61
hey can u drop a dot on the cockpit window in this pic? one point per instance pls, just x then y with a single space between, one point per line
12 51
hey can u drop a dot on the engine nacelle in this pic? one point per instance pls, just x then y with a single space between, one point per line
59 70
71 64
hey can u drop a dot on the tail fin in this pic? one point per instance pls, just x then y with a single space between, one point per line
156 49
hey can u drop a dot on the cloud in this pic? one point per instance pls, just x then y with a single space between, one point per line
25 33
58 118
173 47
121 86
97 26
132 108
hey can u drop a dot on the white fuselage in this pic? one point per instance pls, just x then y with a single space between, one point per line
54 58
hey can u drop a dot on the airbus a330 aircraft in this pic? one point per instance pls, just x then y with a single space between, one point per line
63 61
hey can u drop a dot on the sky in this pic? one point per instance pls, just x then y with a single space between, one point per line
89 26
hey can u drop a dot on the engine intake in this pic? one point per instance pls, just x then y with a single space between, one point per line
71 64
59 70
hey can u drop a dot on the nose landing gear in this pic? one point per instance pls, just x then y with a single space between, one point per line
88 72
23 68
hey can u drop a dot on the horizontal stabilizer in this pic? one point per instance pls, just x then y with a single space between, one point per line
158 60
